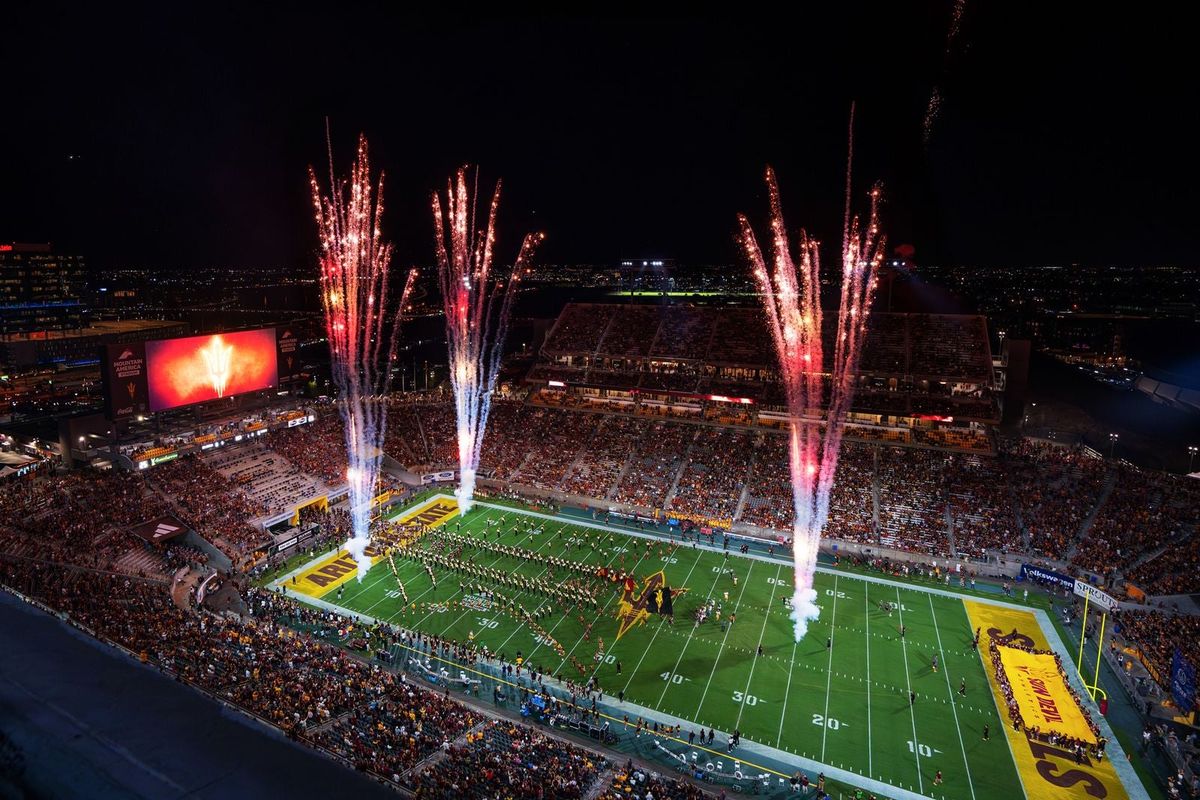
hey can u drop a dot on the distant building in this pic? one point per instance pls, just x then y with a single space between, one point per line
40 290
81 347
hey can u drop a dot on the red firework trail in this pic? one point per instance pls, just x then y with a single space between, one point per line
361 331
477 306
791 299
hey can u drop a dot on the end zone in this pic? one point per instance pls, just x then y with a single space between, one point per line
323 575
1046 771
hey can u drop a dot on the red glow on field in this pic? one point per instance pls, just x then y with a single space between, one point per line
202 368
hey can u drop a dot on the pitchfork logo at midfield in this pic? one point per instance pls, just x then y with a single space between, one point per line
636 607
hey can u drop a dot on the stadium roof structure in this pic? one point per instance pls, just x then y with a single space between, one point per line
937 365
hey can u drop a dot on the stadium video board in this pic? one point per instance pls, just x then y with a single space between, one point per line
162 374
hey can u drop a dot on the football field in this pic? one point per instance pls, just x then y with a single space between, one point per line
855 696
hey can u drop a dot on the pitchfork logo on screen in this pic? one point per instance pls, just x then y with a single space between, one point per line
196 369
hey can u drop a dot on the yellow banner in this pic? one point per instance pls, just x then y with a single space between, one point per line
1048 773
1042 695
333 570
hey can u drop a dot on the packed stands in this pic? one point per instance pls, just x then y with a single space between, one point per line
598 467
269 480
712 481
1055 489
912 500
216 508
981 506
82 518
769 503
564 435
1129 522
512 761
318 448
1156 635
652 469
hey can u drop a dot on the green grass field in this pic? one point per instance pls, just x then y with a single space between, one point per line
845 705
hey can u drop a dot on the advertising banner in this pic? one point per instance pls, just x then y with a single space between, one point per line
1094 595
287 355
1030 572
125 388
1183 682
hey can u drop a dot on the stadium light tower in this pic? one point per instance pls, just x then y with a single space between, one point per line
1112 443
1192 450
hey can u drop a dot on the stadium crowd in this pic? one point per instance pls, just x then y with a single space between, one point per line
377 721
508 760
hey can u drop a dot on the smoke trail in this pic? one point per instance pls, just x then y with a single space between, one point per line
360 330
477 306
792 302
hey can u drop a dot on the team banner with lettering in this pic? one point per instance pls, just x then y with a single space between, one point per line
1041 693
1183 682
1049 772
326 574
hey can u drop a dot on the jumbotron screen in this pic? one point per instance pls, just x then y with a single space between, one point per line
180 372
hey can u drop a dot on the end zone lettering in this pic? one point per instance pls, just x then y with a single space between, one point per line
331 571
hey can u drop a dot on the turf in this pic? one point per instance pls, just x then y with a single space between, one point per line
839 697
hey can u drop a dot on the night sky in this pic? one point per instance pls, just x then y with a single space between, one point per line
175 138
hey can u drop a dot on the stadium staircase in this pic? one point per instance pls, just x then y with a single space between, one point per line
1026 541
1110 480
745 495
683 462
579 455
601 786
948 518
876 492
428 454
612 490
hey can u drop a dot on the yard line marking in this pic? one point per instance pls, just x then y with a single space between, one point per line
699 555
950 689
754 663
599 614
867 617
783 716
384 575
679 660
829 669
561 615
912 712
494 563
521 593
728 630
404 567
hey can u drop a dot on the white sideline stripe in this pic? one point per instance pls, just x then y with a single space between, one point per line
953 705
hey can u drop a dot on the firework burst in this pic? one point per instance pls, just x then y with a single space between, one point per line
791 298
361 331
477 306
